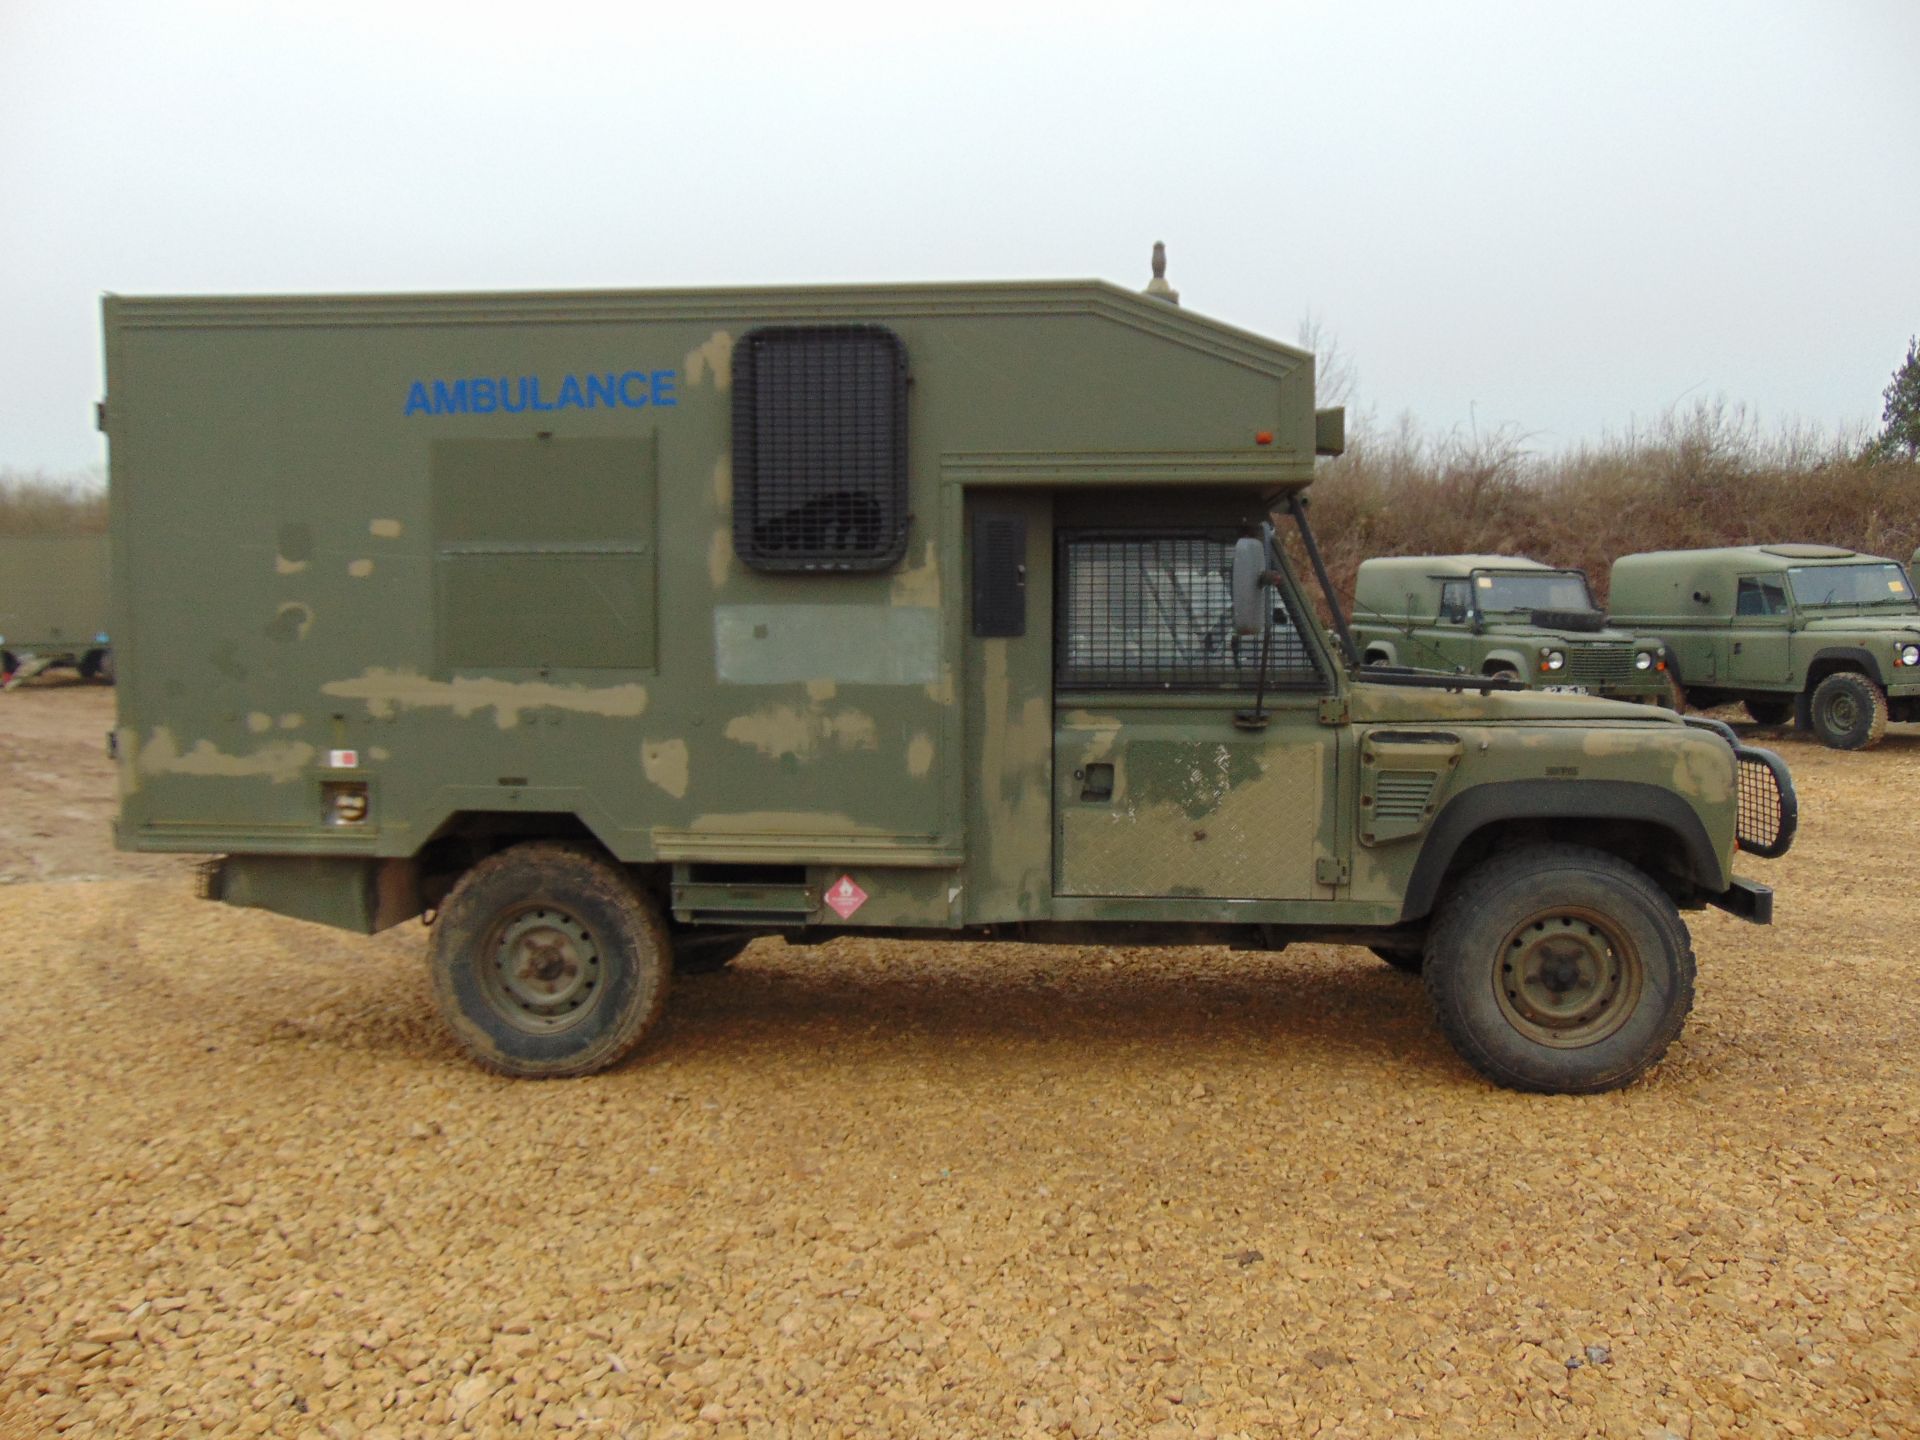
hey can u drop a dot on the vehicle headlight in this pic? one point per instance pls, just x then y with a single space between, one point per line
1643 660
1552 659
1910 654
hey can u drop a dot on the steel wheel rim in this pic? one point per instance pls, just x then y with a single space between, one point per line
1568 977
1841 712
540 968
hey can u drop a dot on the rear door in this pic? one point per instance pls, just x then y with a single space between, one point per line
1161 788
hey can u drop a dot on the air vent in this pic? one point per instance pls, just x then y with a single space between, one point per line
1400 796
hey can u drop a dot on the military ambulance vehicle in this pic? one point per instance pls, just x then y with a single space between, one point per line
1827 637
1500 615
53 606
607 632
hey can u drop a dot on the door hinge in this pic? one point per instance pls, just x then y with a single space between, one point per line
1330 870
1333 710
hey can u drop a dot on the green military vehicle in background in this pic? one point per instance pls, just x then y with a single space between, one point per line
1827 637
611 631
1500 615
54 606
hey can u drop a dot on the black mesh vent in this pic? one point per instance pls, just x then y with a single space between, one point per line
1156 613
820 448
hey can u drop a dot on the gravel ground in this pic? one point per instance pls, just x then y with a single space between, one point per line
888 1189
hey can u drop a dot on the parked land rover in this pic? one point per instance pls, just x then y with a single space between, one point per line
610 631
1500 615
1827 637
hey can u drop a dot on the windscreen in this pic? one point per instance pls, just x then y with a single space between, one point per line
1496 590
1833 587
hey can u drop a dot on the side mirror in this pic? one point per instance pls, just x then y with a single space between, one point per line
1251 613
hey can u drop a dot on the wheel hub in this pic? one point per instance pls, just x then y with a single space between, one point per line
545 968
1566 979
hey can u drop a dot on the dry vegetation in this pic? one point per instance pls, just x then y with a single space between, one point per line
33 502
1707 476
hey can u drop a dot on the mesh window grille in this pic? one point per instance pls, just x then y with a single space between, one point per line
1141 612
820 448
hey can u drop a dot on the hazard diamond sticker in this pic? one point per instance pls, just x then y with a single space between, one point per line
844 897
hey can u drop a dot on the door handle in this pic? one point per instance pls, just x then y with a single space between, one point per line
1096 781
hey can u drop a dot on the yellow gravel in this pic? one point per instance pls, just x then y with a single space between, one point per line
247 1187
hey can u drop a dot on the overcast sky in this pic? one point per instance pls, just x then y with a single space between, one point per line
1562 217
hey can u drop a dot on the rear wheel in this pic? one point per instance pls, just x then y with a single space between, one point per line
1560 969
1769 712
548 961
1849 711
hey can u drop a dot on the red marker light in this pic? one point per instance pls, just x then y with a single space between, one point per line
1263 437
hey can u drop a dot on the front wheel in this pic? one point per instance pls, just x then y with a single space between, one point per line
1849 711
1560 969
548 961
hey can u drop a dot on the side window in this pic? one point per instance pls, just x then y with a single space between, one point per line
1453 600
1139 612
1761 595
820 448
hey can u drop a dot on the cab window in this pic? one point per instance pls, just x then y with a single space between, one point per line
1761 595
1453 600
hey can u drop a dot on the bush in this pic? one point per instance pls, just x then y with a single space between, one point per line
35 503
1706 476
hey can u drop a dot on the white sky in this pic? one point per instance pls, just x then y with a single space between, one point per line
1563 217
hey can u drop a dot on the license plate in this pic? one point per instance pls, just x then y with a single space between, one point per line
1565 689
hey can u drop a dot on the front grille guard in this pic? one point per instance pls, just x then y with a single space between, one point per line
1769 808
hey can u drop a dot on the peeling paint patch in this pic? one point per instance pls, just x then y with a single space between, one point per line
920 585
380 752
720 557
713 356
665 764
281 761
387 691
385 529
781 730
292 722
360 569
290 622
723 486
821 691
919 757
283 566
259 722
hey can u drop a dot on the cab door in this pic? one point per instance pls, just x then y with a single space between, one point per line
1162 787
1758 641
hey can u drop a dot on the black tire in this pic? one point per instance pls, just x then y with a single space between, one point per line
1412 962
1770 712
548 961
97 665
1849 711
1559 969
697 954
9 662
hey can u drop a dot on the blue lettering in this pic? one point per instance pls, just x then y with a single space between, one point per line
508 405
603 390
417 402
570 394
538 403
663 387
449 399
486 399
633 377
